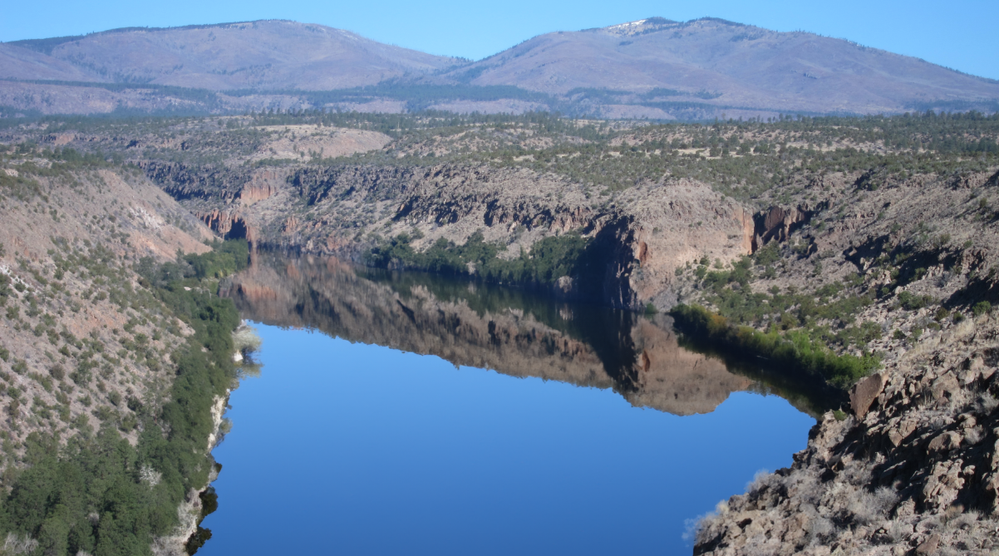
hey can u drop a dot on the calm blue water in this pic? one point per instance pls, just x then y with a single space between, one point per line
341 448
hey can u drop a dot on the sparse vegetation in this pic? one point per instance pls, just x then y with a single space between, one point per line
549 259
792 350
806 300
70 476
204 370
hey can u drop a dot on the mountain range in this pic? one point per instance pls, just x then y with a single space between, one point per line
652 68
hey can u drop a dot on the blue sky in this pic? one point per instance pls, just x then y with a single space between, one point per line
958 34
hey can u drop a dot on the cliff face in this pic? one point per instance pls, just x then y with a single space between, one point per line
524 337
644 235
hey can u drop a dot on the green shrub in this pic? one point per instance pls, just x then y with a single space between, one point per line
57 371
793 349
911 302
550 258
981 308
225 258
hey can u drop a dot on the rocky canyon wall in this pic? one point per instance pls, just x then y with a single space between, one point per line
643 234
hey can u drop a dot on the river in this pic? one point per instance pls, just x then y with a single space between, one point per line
408 414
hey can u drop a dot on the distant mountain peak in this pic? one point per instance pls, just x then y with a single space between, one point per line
46 45
653 67
653 24
265 54
640 27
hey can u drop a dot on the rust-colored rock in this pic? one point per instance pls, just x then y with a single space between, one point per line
253 193
777 223
228 224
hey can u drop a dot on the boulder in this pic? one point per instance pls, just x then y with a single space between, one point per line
865 392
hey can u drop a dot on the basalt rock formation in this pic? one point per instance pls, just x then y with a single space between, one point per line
643 237
911 465
778 223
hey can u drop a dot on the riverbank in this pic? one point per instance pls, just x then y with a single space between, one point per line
188 536
200 500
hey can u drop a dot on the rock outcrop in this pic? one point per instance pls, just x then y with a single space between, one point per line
778 223
865 392
228 224
917 473
644 236
912 465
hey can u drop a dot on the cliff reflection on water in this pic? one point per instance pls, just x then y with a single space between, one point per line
510 331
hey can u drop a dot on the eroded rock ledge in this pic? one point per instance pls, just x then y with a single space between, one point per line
917 474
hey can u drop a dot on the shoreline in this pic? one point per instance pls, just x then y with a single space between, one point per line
191 510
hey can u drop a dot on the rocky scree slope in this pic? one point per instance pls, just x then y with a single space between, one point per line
913 467
917 473
75 349
88 358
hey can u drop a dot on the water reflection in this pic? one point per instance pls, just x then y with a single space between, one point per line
478 325
399 454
